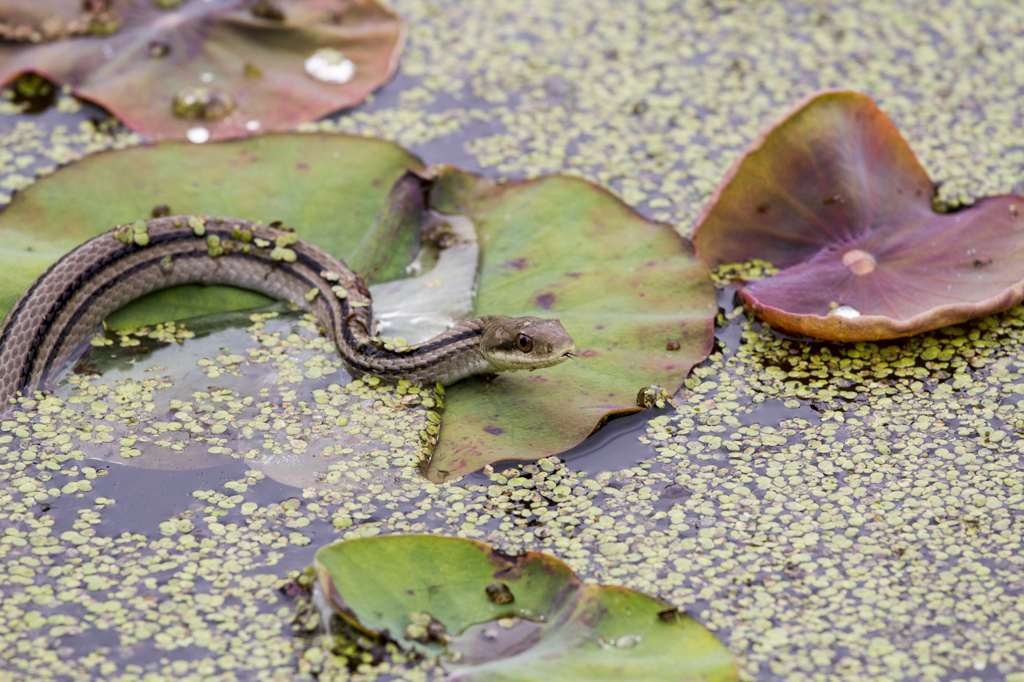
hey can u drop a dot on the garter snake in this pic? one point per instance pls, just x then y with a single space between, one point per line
93 280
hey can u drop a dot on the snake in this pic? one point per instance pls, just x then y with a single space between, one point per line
67 302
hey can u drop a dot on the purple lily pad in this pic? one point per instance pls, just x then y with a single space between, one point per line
834 195
230 67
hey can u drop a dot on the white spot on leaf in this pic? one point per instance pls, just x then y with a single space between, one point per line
330 66
847 311
198 135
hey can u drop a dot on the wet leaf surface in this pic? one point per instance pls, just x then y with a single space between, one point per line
420 307
329 188
623 287
230 67
834 196
499 617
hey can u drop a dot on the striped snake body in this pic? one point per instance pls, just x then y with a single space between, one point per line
88 283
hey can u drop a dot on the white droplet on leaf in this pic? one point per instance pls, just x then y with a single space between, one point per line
252 125
198 135
330 66
847 311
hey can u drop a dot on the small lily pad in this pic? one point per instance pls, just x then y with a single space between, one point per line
625 288
207 69
834 196
494 617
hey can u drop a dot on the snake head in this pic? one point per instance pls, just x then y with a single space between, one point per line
514 343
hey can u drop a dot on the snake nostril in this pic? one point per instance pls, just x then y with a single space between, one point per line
550 348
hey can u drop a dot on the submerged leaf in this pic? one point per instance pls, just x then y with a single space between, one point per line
206 69
836 197
434 594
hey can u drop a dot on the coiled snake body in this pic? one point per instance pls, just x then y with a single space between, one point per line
88 283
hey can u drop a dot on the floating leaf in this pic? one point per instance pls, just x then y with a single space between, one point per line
625 289
836 197
206 69
328 187
497 617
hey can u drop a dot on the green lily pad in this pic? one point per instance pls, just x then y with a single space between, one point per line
328 187
451 597
626 289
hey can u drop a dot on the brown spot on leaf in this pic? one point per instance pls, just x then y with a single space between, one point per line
518 263
672 615
499 593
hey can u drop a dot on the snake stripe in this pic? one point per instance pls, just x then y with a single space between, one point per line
95 297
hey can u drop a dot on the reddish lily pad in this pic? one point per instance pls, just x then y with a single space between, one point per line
625 288
834 196
228 67
495 617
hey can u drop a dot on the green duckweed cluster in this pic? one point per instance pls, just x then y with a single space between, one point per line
29 150
206 578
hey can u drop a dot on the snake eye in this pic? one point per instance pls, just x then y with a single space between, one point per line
524 343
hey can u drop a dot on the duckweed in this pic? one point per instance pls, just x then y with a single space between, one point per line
832 513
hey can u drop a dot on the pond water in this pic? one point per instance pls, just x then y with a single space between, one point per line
830 512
